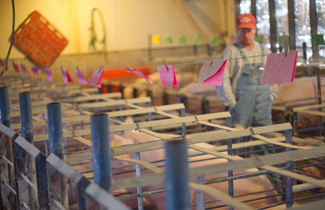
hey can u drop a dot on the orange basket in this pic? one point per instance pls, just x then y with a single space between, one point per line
39 40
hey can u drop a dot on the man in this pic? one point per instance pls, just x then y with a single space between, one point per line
248 101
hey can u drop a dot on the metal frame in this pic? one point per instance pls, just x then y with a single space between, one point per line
222 133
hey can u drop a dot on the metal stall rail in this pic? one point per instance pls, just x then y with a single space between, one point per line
177 121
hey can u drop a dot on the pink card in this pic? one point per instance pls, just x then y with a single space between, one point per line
48 74
140 74
279 69
96 78
16 68
35 70
167 78
66 76
81 77
23 69
211 74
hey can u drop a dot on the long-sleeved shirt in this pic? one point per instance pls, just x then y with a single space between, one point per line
233 69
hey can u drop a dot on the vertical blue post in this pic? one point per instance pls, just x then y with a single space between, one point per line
177 175
57 182
183 124
230 173
4 106
55 129
26 116
7 150
288 180
101 150
26 121
304 49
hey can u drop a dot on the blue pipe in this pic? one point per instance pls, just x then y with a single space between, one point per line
4 106
101 150
26 116
55 129
288 180
230 173
177 175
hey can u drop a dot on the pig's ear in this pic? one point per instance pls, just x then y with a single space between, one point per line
129 120
117 140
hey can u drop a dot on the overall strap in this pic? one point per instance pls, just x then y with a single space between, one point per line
242 54
263 53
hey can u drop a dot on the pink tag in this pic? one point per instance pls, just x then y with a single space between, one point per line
140 74
2 63
279 69
16 68
48 74
66 76
212 75
35 70
23 69
96 78
167 78
81 77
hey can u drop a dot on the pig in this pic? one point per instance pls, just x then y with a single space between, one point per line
258 183
304 87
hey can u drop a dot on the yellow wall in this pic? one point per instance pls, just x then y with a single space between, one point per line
127 22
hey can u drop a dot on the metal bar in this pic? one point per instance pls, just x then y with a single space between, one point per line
4 107
33 174
313 25
100 197
139 162
176 175
89 97
222 167
230 151
26 206
11 189
183 124
26 117
58 205
8 161
237 8
20 166
42 182
87 154
81 182
149 124
253 8
57 182
292 24
319 93
101 153
139 189
55 129
29 182
273 31
304 49
200 194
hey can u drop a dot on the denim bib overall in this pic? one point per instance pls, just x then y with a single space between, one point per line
254 103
